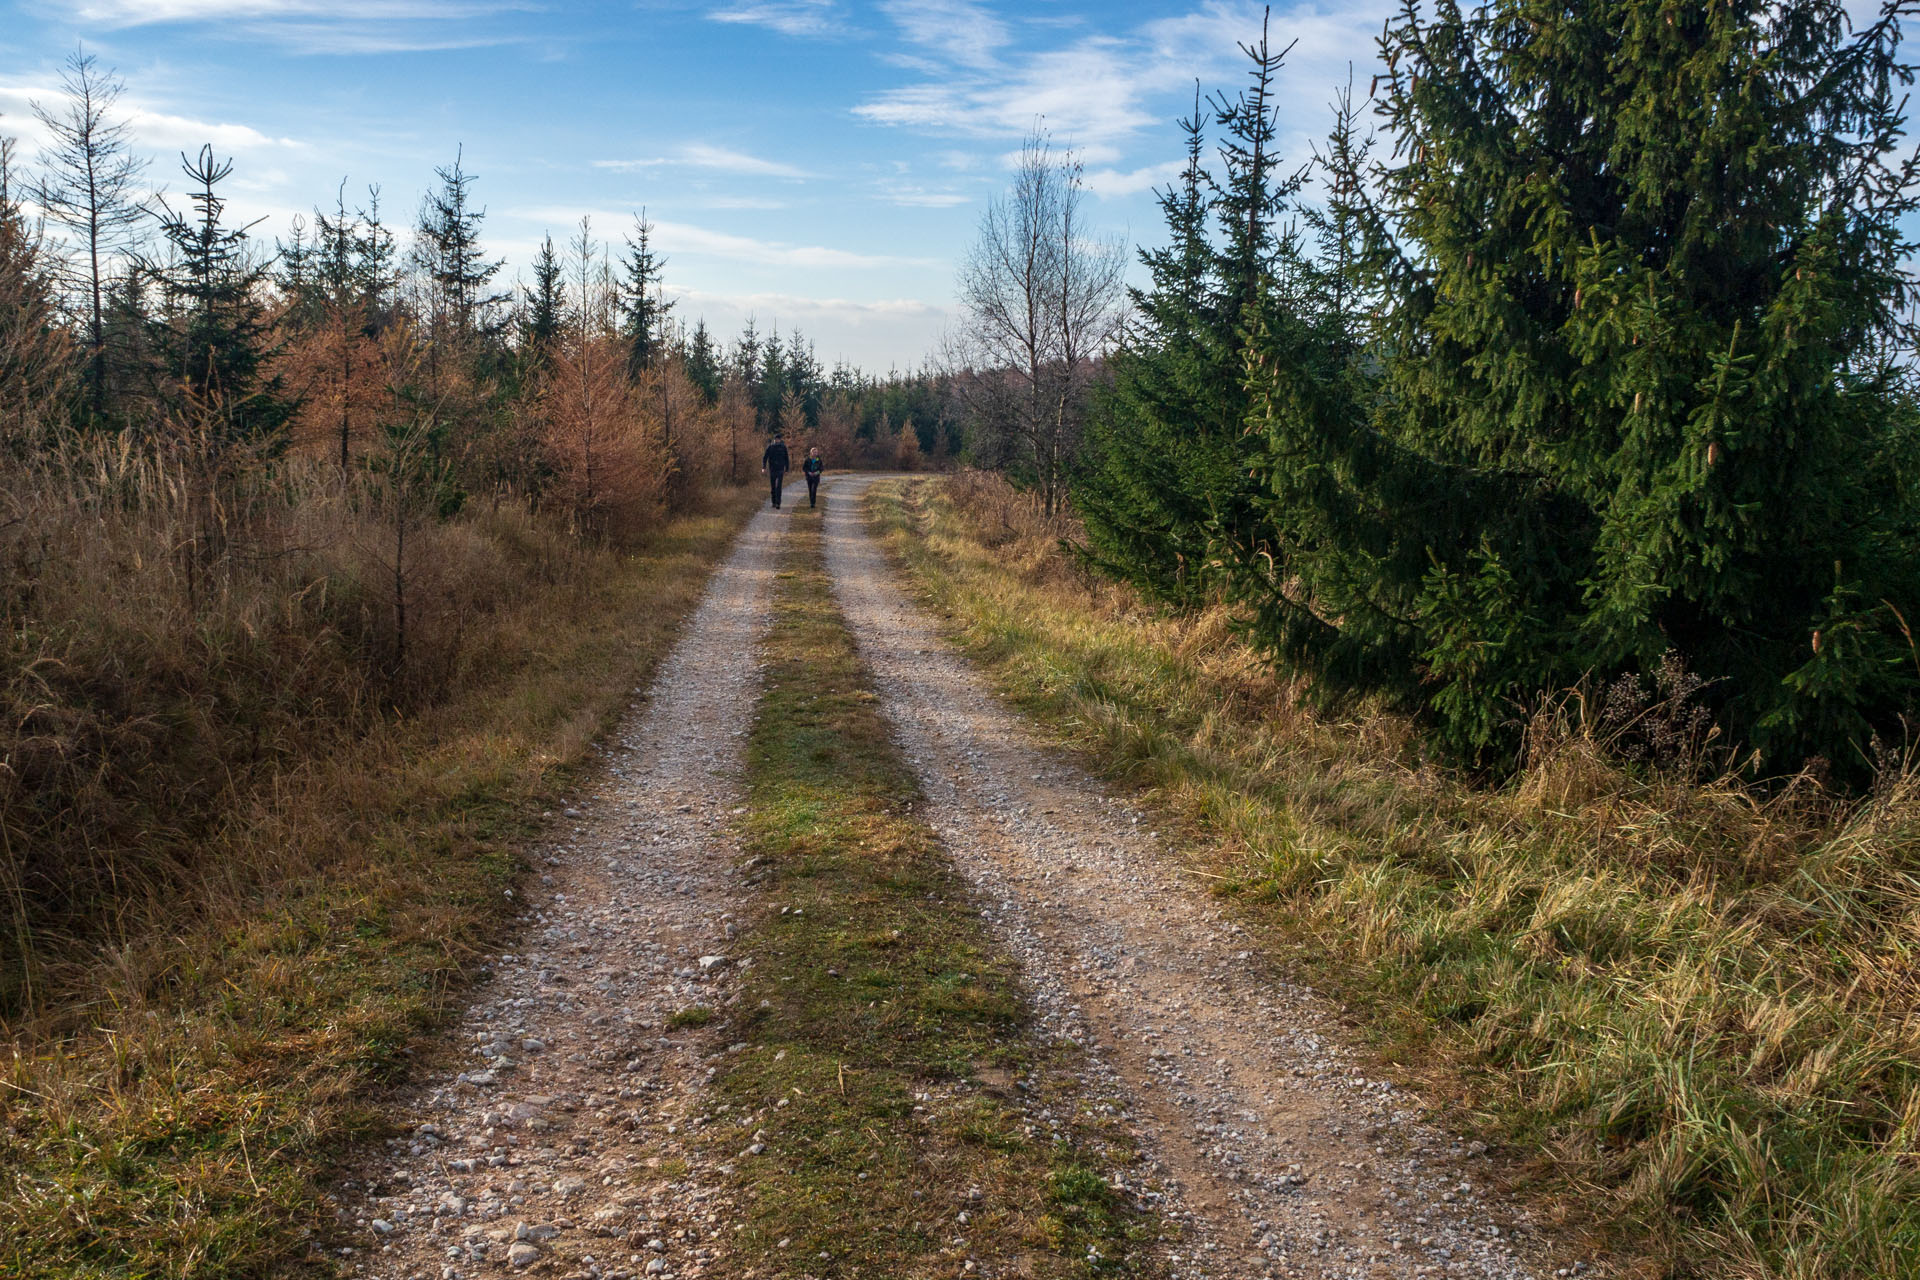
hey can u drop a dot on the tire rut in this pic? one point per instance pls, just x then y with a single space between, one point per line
1288 1160
555 1141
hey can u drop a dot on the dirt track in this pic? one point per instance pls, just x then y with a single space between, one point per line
567 1082
1289 1160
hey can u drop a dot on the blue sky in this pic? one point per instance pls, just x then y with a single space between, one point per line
818 164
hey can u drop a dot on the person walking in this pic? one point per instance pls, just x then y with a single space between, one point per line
773 464
812 468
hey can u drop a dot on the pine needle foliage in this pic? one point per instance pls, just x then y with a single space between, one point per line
216 338
1600 368
1166 486
1643 307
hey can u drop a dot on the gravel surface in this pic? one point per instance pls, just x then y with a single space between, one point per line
1287 1159
554 1139
554 1143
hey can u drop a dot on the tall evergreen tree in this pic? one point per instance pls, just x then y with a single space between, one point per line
216 339
1170 491
643 301
447 251
703 363
1641 274
1144 522
543 313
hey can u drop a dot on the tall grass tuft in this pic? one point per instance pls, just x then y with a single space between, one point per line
1696 996
176 635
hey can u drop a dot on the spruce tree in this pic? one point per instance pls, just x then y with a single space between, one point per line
643 303
544 311
1143 522
215 340
703 363
1335 497
448 253
1641 273
1170 491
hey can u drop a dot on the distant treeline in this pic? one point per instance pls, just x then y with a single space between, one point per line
1591 373
131 313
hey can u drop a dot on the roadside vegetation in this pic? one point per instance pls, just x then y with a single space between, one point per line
291 866
895 1113
1689 1002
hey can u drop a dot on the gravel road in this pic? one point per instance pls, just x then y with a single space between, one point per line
567 1082
1290 1162
551 1137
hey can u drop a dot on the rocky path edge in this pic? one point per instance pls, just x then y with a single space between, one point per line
1290 1160
556 1139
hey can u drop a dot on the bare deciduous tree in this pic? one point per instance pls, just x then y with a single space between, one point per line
1042 301
89 185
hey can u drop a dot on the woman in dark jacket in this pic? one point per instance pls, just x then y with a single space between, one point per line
812 468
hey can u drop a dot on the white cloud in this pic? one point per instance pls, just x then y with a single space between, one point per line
757 203
869 334
695 241
920 198
788 17
139 13
316 26
685 238
701 155
1111 184
1094 92
958 30
152 129
180 133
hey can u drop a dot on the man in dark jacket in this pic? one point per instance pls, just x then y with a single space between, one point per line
774 464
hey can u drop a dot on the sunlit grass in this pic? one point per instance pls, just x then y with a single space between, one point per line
1696 1000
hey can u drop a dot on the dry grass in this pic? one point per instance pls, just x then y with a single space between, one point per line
1695 1000
252 841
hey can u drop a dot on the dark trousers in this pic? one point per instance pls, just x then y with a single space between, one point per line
813 491
776 477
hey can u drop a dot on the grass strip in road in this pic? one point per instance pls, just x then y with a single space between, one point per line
1689 1005
241 1048
889 1110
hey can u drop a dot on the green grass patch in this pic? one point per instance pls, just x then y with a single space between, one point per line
910 1118
1686 1006
181 1105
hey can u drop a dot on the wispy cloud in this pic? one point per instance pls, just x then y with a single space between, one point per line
1098 90
683 237
913 197
701 155
789 17
696 241
140 13
1111 184
959 31
163 131
182 133
317 26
